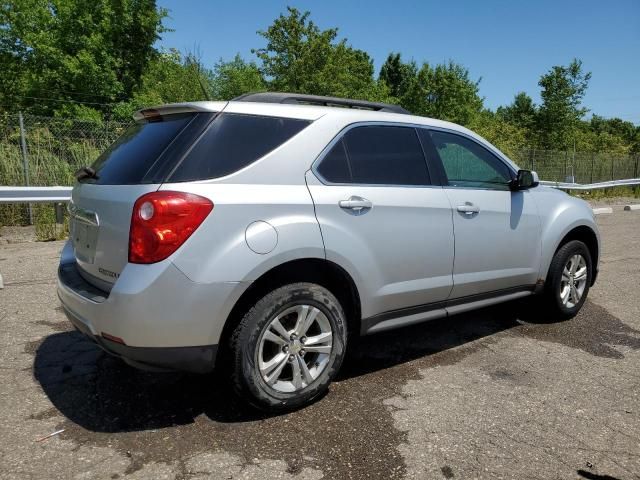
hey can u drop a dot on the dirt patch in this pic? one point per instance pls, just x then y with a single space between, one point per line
17 234
608 201
56 326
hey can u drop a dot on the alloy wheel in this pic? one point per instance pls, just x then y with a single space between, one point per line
574 281
294 348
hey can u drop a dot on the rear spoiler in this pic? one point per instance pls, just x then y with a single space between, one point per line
175 108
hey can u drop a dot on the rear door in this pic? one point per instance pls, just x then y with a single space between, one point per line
382 218
497 231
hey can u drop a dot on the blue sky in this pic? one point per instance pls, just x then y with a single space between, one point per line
507 43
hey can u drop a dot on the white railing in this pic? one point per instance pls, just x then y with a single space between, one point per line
34 194
593 186
63 194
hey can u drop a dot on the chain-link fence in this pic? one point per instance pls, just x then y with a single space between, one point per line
47 151
578 167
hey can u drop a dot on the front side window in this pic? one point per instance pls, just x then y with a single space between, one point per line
468 164
376 155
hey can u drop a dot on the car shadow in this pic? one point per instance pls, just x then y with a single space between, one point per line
103 394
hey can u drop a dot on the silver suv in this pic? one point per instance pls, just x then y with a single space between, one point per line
262 233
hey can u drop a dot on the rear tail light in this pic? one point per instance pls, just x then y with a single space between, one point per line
162 221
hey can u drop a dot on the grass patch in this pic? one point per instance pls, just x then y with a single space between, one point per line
604 193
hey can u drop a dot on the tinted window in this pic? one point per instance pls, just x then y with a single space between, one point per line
136 151
232 142
468 164
377 155
335 165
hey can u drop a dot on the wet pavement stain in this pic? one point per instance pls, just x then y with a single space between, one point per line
170 417
447 471
594 330
349 433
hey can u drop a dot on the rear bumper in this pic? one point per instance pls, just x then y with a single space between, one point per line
186 359
165 320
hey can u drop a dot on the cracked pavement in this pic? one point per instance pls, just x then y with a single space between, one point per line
489 394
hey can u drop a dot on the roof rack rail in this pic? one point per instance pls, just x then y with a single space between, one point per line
299 98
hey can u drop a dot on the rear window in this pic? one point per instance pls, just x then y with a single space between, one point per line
133 155
232 142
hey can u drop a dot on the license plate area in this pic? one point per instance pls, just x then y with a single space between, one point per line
84 238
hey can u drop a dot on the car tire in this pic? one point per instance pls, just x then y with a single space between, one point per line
268 369
571 259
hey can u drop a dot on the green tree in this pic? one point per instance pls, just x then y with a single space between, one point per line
61 51
236 77
444 91
398 76
169 78
300 57
508 137
521 112
563 89
448 93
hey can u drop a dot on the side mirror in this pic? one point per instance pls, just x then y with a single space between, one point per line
524 180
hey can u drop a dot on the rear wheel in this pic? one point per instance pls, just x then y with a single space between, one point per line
288 348
568 280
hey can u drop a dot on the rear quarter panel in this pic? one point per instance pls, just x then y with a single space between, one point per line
218 250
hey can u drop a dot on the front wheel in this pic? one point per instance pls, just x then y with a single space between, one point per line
288 348
569 279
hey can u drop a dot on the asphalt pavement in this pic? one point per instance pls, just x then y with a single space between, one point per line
490 394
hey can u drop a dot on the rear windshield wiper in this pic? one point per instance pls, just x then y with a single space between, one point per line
86 172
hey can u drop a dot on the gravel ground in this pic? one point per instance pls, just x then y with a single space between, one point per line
480 395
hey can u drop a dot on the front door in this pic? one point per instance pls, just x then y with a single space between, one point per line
497 231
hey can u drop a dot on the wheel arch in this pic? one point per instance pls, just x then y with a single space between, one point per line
588 236
315 270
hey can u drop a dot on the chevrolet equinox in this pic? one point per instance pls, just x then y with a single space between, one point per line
264 232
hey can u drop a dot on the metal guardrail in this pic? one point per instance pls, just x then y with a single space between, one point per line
63 194
35 194
592 186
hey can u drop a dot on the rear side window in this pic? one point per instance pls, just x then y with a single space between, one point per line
376 155
128 160
335 165
232 142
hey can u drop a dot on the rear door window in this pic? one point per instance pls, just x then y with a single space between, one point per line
232 142
376 155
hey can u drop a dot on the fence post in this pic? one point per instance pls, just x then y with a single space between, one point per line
612 168
532 159
635 170
25 160
593 161
59 209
